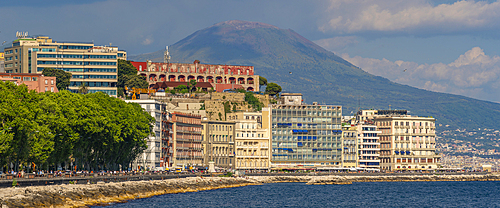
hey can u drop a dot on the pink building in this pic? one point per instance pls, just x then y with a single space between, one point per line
36 82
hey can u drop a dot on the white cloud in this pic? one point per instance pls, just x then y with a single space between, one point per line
147 41
473 74
409 16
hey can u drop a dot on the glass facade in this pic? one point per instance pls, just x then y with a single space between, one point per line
306 134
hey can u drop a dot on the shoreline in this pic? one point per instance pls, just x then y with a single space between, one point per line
81 195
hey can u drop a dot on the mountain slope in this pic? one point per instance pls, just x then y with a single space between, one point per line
321 75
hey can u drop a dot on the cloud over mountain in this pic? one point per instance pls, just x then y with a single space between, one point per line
410 17
473 74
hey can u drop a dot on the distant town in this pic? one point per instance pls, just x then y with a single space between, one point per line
219 117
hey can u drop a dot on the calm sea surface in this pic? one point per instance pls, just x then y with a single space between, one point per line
385 194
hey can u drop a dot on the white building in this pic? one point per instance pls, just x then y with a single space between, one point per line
151 157
368 146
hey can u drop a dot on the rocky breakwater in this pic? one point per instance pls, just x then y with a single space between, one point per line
341 180
77 195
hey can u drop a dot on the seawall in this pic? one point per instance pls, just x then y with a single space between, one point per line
78 195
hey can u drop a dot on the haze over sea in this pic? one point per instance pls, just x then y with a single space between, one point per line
378 194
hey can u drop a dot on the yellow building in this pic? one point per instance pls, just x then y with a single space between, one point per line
252 141
96 66
218 143
349 147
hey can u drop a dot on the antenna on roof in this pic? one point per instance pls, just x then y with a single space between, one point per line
166 54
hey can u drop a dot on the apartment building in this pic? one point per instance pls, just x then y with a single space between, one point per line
96 66
406 142
368 146
182 133
304 135
349 146
252 141
150 158
218 143
35 82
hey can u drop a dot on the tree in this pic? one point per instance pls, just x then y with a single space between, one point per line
262 81
136 81
273 89
62 78
84 89
192 84
126 72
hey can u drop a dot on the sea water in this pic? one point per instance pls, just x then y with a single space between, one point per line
368 194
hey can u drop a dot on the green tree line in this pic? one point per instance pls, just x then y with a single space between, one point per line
50 130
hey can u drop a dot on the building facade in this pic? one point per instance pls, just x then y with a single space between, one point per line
182 133
150 158
218 143
304 135
349 147
96 66
220 76
368 146
252 141
35 82
406 142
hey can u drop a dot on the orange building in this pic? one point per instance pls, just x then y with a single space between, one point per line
182 139
36 82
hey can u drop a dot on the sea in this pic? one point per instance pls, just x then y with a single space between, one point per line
364 194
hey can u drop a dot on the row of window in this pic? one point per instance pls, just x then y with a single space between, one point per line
109 92
94 76
82 70
75 47
10 51
42 49
86 63
93 84
76 56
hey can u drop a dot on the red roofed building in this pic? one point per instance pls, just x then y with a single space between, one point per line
227 76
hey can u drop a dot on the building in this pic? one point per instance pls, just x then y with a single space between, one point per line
406 142
304 135
219 76
36 82
218 143
291 98
182 133
349 146
96 66
151 158
252 141
368 146
2 69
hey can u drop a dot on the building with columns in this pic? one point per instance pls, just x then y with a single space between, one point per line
219 76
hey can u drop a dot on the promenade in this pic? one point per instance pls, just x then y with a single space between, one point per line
102 192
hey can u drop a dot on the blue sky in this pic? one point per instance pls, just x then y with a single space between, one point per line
445 46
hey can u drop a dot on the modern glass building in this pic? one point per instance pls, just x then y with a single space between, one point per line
304 135
94 66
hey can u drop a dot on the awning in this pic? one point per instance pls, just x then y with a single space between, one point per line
408 152
397 152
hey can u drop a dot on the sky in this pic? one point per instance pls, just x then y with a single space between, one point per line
442 45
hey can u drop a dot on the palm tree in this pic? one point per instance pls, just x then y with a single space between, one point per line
83 89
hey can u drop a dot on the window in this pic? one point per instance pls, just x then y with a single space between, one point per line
52 89
46 82
46 89
51 81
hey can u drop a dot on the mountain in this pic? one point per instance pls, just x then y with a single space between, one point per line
320 75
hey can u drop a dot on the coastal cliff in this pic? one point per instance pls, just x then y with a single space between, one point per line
78 195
